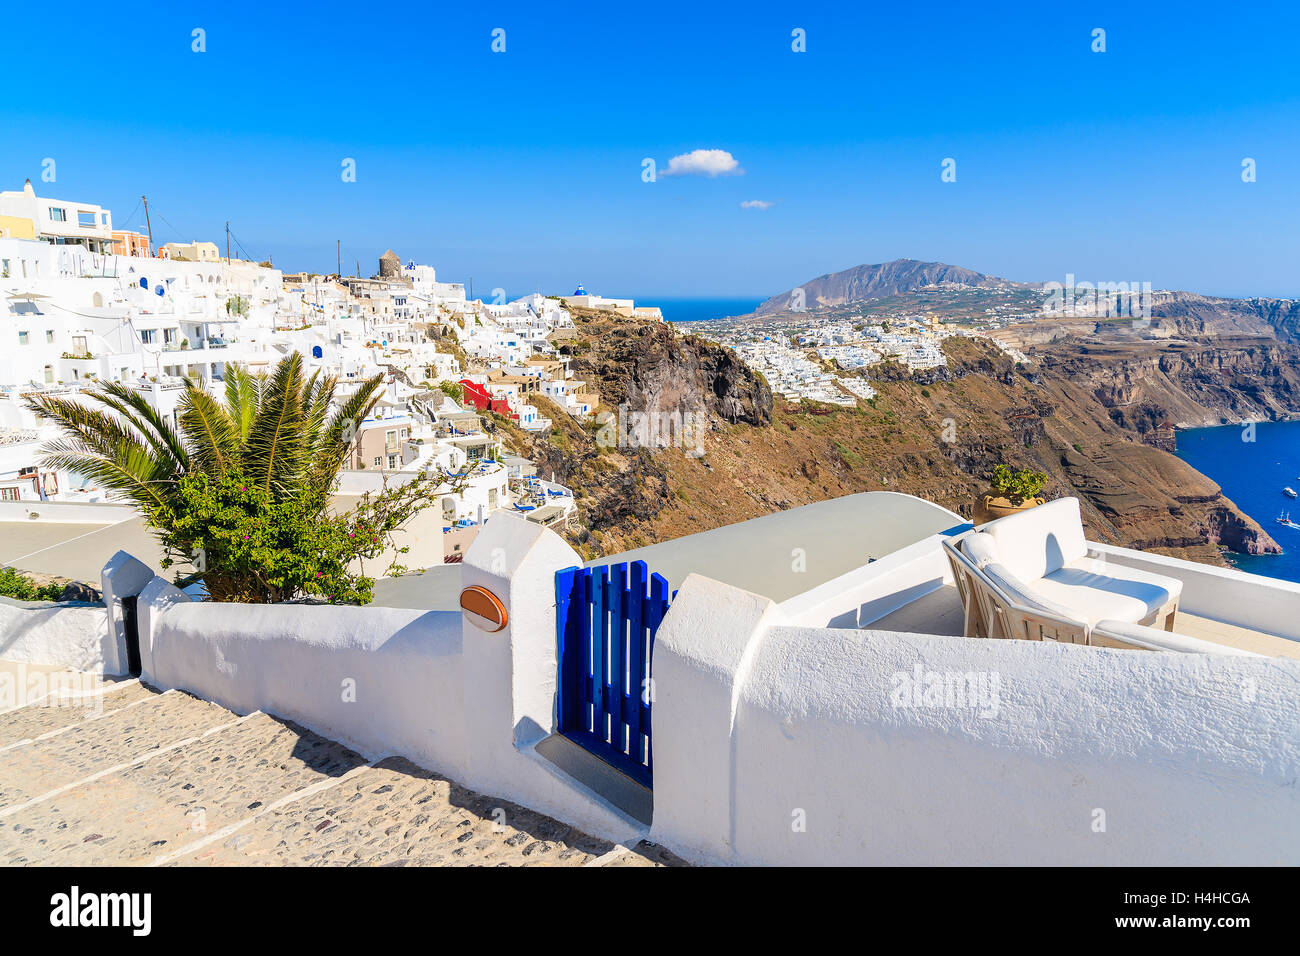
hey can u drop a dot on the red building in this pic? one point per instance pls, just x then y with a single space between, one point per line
481 399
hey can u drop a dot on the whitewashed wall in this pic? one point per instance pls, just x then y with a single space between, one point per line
383 680
64 635
70 512
779 744
776 741
426 685
873 590
1247 600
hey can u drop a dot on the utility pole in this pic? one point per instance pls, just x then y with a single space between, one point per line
227 242
148 225
340 252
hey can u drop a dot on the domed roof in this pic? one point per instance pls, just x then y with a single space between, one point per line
579 291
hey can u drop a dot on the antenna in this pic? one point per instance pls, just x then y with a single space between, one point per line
148 225
227 242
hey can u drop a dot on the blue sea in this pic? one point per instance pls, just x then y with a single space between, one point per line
697 310
1253 475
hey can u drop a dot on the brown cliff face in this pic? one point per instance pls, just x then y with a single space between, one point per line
1078 416
647 367
624 482
1195 315
1184 382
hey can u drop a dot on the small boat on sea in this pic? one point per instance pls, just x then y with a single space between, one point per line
1289 492
1285 519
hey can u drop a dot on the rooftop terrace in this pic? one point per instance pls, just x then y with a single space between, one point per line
795 667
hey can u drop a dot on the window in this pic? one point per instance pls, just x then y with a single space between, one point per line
8 494
22 338
86 220
49 336
148 336
169 336
49 375
57 214
392 461
79 344
378 461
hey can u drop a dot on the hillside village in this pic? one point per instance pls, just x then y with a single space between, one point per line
503 396
85 302
825 358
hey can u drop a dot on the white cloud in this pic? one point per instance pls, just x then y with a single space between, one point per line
703 162
756 204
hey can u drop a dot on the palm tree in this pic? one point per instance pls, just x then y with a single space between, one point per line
276 431
273 437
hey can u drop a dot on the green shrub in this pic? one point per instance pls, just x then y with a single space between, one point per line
1017 486
241 490
22 588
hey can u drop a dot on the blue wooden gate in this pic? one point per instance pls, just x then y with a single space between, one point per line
606 619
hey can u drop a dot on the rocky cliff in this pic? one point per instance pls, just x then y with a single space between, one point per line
936 434
688 389
647 367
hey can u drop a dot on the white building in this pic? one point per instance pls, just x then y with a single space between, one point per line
61 221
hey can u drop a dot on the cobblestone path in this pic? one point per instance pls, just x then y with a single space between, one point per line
133 776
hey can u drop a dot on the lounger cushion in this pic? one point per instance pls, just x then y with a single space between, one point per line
1152 638
1100 591
981 549
1024 595
1036 542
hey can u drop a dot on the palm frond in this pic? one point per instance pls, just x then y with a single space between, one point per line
131 470
100 432
336 439
152 425
275 455
320 393
243 393
213 437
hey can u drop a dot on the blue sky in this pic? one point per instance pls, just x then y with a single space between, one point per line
524 169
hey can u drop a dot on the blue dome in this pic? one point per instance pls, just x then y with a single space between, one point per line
579 291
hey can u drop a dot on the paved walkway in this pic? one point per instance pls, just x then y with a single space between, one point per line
128 775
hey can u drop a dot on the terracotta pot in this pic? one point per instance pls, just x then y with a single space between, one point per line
990 506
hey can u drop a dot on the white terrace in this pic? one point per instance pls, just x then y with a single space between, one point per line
814 696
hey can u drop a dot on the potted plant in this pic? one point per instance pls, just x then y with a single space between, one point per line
1009 492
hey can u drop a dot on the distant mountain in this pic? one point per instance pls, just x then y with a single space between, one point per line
863 283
